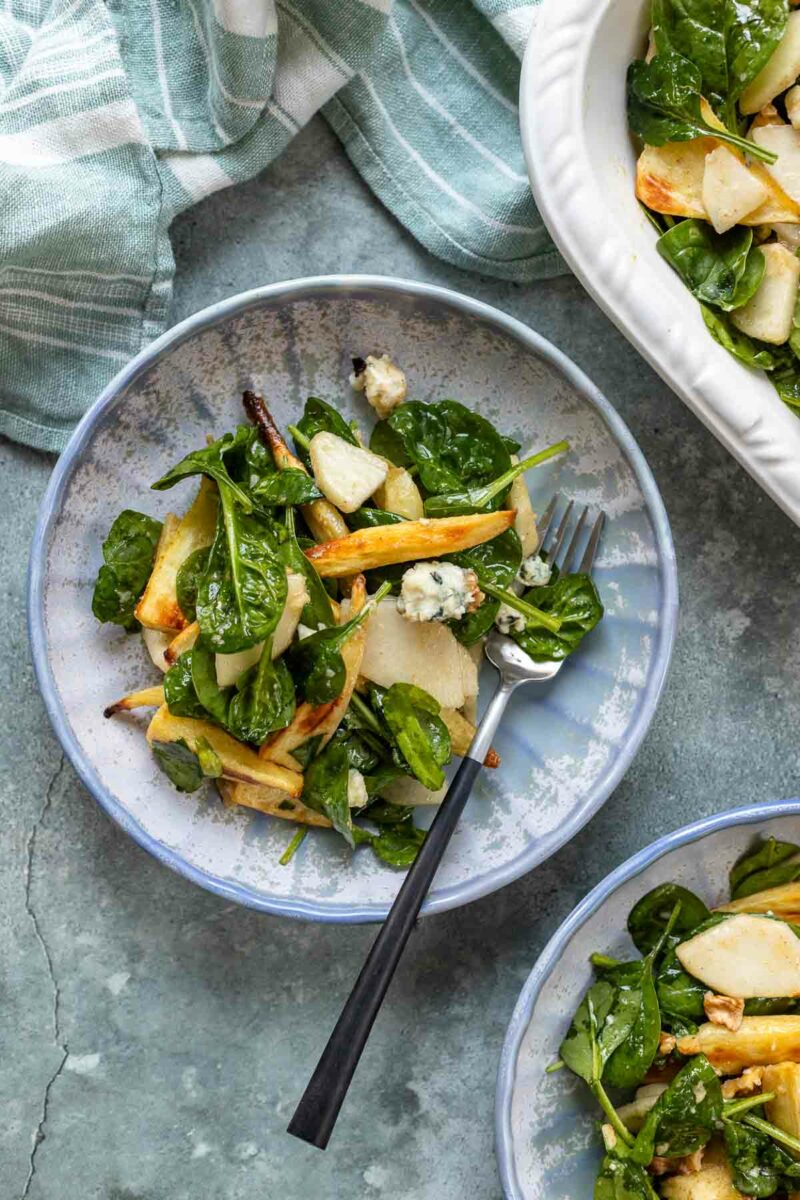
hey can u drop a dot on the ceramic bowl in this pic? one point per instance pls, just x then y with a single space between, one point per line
581 161
563 750
546 1125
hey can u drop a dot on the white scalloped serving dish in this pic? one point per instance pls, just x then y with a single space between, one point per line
581 162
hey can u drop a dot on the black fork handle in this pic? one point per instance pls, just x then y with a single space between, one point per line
318 1109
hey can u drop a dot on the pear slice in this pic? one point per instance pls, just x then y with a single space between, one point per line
744 957
768 315
347 475
730 190
784 141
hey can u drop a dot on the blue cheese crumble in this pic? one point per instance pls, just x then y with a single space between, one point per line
534 571
508 620
438 591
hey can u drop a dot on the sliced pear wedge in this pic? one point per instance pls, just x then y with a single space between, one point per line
745 956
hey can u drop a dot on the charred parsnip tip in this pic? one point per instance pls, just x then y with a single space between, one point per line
152 697
383 545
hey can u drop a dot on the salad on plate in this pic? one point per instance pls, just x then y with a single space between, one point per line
716 106
318 612
692 1051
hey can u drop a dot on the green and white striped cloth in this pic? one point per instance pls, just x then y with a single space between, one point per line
116 116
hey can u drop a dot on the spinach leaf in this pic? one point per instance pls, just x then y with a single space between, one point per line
418 731
387 443
683 1117
317 611
751 869
728 42
368 518
622 1179
632 1059
316 661
179 689
785 376
680 995
382 812
180 764
304 753
398 843
325 788
664 104
262 701
760 1167
243 591
128 553
719 269
210 761
649 916
749 351
574 600
451 447
496 562
602 1022
210 461
190 572
289 486
494 493
320 417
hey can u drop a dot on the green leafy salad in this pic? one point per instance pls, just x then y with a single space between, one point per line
716 103
318 612
693 1050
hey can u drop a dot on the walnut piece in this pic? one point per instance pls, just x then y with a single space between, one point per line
745 1084
666 1043
724 1010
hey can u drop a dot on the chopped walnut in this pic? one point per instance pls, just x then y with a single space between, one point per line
745 1084
690 1164
666 1044
724 1010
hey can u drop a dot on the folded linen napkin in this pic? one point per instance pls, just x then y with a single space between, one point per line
116 116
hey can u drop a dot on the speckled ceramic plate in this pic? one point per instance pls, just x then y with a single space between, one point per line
563 750
546 1125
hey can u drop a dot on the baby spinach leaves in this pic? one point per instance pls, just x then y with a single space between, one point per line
749 351
496 562
417 734
128 553
622 1179
632 1059
325 788
729 42
477 498
289 486
243 592
396 843
574 600
186 769
723 270
210 461
683 1117
179 689
190 573
319 417
767 865
452 448
316 661
317 611
664 104
649 917
262 701
760 1167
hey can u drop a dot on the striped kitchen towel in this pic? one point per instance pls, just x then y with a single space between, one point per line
116 116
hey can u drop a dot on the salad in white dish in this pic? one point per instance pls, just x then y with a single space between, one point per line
716 102
316 612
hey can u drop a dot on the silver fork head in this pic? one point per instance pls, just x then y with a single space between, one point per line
512 662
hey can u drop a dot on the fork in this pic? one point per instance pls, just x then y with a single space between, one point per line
319 1106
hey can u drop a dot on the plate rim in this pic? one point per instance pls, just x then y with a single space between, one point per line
552 952
50 507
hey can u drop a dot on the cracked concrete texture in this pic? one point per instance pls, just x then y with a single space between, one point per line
158 1037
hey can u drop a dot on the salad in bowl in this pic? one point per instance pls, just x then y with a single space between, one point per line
317 611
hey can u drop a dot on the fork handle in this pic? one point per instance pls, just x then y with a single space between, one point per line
318 1109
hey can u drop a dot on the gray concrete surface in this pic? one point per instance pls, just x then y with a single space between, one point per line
155 1038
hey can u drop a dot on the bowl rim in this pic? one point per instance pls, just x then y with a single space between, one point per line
548 959
346 285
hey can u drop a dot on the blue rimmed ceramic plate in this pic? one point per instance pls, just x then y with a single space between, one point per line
562 753
547 1125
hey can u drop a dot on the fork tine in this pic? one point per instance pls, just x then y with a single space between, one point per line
552 554
589 553
546 519
572 548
